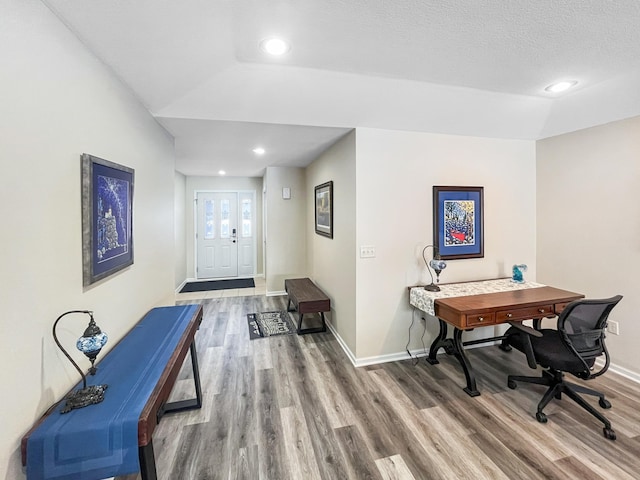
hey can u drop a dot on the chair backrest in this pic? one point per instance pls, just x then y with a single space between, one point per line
582 325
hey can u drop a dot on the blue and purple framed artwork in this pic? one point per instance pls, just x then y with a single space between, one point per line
107 218
458 222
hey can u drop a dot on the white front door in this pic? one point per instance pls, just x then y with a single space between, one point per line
247 233
225 234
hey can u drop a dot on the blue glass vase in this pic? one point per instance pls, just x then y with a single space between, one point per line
517 276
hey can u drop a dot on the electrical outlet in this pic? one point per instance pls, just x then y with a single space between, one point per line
367 251
613 327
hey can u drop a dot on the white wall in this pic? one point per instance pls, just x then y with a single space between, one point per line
395 175
221 184
332 262
180 228
56 102
588 222
286 248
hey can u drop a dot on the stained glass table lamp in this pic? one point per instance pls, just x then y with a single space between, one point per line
90 343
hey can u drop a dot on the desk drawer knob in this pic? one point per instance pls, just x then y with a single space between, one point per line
509 315
481 319
541 310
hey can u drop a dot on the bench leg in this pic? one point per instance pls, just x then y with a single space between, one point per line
145 453
147 462
300 323
191 403
304 331
289 309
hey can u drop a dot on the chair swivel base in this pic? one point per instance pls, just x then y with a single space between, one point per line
557 386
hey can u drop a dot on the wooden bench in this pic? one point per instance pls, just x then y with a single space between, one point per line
306 297
188 318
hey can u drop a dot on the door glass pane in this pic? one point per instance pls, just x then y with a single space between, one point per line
224 218
209 225
246 217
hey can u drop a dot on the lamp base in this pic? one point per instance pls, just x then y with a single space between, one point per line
84 397
432 288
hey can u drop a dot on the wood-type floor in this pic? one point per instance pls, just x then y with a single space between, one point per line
294 407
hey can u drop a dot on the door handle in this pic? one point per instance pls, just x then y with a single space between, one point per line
233 235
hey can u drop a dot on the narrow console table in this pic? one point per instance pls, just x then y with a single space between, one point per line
470 305
114 437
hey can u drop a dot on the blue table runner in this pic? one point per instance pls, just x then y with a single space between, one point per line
101 441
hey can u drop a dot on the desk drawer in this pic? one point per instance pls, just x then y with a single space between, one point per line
559 307
538 311
481 320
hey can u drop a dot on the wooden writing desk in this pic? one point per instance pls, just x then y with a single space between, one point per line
467 312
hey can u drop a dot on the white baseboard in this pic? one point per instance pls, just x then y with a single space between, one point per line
634 376
421 353
363 362
181 286
396 357
388 357
276 293
344 346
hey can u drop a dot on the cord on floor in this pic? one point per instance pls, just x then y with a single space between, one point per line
416 358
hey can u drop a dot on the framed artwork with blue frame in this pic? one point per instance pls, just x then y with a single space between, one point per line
107 218
458 222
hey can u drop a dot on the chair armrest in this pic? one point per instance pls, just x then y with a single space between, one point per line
528 330
524 334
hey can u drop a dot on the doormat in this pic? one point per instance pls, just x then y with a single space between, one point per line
268 324
218 285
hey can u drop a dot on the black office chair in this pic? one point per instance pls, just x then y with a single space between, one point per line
572 348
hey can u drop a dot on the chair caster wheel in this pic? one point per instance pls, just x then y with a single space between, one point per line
541 417
511 384
610 434
604 403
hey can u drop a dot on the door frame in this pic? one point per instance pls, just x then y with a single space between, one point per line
195 229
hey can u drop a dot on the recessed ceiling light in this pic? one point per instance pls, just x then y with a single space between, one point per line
259 151
274 46
561 86
221 172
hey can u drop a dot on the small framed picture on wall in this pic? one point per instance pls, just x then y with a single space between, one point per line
324 209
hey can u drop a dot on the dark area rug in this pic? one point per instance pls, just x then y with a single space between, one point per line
218 285
268 324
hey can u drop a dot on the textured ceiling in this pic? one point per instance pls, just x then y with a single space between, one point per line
515 46
467 67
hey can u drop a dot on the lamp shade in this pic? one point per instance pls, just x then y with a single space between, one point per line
92 340
438 264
